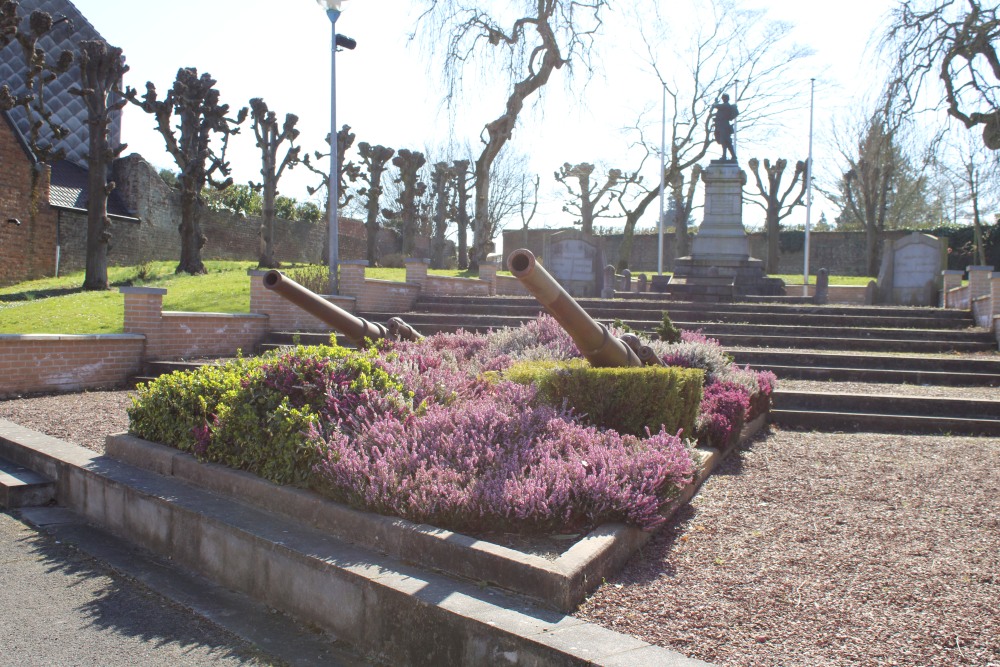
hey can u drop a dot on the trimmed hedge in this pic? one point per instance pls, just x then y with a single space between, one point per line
628 400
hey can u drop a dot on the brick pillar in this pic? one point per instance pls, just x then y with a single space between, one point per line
352 277
259 295
979 281
488 272
995 296
416 271
144 315
949 280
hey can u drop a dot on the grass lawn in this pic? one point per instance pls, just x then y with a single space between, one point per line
60 306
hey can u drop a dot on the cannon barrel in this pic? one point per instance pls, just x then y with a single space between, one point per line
354 328
596 343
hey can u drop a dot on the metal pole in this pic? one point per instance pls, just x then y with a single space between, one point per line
334 239
736 98
663 184
809 190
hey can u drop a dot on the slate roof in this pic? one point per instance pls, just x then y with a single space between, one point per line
68 189
69 109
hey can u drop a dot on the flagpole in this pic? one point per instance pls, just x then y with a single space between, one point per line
663 185
809 191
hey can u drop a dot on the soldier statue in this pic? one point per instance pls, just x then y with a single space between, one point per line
725 114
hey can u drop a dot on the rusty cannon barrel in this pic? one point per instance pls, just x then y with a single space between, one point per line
355 329
596 343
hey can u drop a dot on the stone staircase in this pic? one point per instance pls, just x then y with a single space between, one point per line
886 346
22 487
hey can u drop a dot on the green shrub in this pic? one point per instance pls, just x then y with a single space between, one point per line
314 277
667 331
618 398
173 408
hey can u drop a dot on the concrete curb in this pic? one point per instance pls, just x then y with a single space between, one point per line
395 613
560 584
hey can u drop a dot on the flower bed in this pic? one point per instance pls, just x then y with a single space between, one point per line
433 432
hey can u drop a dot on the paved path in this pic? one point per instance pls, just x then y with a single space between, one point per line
61 606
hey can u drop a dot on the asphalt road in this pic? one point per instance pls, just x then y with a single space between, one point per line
62 606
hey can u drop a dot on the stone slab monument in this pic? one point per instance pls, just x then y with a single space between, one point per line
910 274
720 267
576 260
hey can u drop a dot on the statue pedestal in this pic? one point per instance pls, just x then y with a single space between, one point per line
720 267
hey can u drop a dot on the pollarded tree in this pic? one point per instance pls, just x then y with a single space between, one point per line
590 200
269 139
408 215
375 160
347 170
957 40
101 70
194 100
442 182
460 210
546 36
775 202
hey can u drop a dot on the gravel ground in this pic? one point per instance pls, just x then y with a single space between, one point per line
826 549
84 419
879 389
805 549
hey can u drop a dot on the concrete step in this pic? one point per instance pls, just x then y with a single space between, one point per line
881 375
888 413
705 314
882 423
22 487
987 365
722 311
386 609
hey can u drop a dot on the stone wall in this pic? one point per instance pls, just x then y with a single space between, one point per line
842 253
28 249
155 237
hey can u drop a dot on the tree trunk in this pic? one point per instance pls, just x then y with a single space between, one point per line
267 260
773 245
192 240
98 223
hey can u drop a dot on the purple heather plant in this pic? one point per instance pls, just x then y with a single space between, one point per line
492 461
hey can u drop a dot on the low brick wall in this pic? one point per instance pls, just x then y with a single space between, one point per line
35 363
446 285
188 335
510 286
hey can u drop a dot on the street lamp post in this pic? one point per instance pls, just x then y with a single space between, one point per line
333 12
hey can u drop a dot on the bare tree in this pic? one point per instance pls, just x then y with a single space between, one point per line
879 187
974 177
590 201
528 215
195 102
375 159
408 215
347 170
461 210
775 202
101 70
442 179
269 139
957 39
549 34
733 50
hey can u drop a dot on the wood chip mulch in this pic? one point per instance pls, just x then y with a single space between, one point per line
826 549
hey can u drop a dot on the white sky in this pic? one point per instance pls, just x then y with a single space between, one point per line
281 52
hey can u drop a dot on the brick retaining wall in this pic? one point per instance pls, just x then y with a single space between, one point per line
46 362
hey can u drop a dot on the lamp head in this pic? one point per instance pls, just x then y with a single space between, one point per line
335 5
